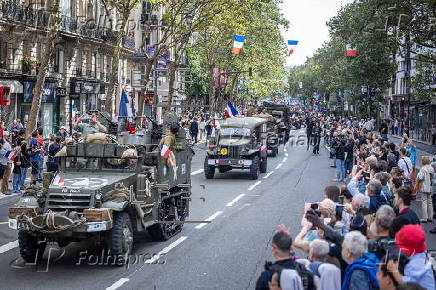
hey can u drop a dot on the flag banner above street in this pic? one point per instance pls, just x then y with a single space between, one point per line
125 106
238 43
350 51
292 44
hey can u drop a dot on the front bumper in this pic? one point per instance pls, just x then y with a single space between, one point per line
88 227
242 163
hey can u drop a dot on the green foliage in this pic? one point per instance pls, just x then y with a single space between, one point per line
264 48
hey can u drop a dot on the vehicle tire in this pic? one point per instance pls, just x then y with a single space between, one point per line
209 170
254 168
31 248
264 165
120 238
164 231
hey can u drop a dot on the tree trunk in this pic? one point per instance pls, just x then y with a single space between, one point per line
211 91
113 80
42 72
172 68
148 68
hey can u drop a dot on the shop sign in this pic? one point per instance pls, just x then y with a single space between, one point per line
48 92
85 88
61 92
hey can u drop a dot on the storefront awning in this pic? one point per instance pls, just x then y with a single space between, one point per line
16 86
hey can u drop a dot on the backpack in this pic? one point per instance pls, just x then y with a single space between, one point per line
306 277
368 264
392 160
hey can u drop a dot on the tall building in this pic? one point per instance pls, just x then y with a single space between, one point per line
79 69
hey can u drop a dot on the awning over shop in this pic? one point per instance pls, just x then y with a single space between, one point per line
16 86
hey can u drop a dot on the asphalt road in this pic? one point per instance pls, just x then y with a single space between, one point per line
228 253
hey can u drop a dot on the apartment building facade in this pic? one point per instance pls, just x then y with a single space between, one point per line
79 69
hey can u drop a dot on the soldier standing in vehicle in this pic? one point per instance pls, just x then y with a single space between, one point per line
94 126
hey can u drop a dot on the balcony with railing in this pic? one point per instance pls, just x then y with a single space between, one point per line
17 12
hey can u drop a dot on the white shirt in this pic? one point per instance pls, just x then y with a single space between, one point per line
406 164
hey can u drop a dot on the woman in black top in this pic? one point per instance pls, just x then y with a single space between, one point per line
25 163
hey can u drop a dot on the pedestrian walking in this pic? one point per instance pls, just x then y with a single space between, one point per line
433 134
208 128
193 129
316 133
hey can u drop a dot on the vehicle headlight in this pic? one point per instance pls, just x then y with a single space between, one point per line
98 196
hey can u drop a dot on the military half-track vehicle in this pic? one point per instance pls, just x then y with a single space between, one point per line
109 192
239 144
282 113
274 137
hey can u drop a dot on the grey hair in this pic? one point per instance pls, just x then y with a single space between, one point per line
360 200
375 186
319 248
385 216
356 243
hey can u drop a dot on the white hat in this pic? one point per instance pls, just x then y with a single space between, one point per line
63 127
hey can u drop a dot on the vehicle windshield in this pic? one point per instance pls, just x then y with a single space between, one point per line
235 132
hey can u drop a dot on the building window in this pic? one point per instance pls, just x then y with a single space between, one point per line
58 61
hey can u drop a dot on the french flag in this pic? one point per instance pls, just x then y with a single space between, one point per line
238 42
264 148
126 110
165 151
10 155
231 110
350 51
58 181
292 44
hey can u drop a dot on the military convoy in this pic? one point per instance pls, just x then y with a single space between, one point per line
241 143
109 191
282 114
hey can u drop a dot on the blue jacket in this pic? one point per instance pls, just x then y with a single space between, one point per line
362 273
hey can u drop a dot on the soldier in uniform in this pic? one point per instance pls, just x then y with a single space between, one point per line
94 126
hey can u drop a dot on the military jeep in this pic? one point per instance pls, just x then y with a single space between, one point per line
282 114
241 143
109 192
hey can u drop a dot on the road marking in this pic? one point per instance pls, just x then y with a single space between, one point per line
268 175
197 172
244 206
8 246
285 159
286 150
4 223
209 219
156 257
286 154
165 250
118 284
278 166
254 185
235 200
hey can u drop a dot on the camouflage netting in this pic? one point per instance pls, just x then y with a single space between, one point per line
119 194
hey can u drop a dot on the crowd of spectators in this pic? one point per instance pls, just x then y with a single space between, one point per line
364 233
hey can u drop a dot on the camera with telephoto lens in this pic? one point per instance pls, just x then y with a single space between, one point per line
315 208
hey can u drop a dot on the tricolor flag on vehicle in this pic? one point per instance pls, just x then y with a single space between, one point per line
350 51
165 151
264 148
292 44
238 43
58 181
231 110
11 155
